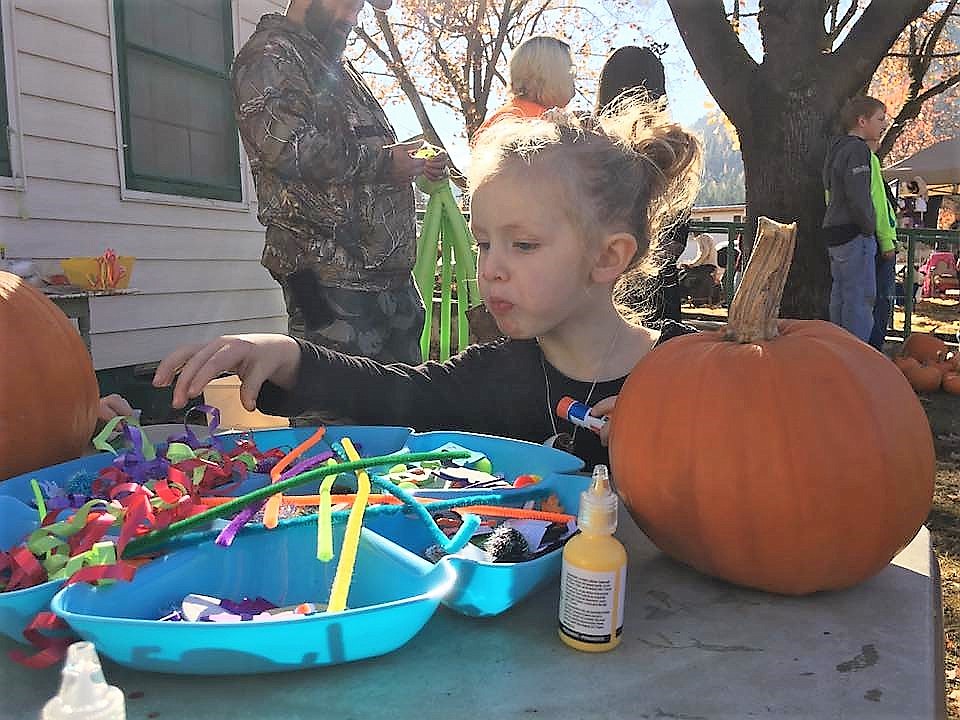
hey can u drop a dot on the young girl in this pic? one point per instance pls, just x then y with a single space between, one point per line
560 215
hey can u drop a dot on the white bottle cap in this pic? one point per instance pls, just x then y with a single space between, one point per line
598 505
84 693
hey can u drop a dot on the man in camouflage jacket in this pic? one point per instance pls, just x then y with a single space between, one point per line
333 186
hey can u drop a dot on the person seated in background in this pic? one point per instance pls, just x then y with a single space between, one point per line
542 75
700 276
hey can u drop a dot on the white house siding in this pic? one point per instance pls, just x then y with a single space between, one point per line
198 262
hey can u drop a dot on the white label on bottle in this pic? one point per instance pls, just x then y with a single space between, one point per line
591 603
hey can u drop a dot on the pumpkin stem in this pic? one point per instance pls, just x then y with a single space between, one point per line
753 313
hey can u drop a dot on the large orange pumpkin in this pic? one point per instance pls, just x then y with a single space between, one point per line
48 390
818 465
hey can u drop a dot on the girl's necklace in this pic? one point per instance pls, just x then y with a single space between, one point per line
566 441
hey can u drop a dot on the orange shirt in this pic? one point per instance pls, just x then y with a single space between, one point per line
516 107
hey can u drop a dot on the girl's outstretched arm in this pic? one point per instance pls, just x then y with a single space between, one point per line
255 358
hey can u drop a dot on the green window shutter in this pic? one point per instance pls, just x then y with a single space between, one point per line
5 166
179 133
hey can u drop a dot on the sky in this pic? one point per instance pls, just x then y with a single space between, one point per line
689 98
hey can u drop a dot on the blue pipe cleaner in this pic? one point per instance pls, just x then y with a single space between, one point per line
449 545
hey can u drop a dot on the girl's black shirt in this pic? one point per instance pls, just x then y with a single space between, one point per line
497 388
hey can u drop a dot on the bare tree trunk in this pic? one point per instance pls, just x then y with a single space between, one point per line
782 168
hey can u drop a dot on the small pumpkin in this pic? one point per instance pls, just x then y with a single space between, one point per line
951 383
925 347
949 361
945 366
925 378
48 390
828 466
906 363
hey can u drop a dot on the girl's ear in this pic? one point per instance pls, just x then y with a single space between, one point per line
616 252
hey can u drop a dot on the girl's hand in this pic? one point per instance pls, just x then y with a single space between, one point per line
113 405
601 409
254 358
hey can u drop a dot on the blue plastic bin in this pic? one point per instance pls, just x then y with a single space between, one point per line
483 589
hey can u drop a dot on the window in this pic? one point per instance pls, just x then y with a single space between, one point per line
179 133
6 167
738 218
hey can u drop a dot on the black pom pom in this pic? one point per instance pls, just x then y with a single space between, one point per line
506 544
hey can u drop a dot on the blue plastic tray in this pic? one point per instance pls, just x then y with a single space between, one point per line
482 588
392 596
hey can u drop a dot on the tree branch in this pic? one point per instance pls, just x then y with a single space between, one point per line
836 27
857 58
725 65
918 65
394 62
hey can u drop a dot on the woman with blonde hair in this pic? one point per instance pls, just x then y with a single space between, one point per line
542 76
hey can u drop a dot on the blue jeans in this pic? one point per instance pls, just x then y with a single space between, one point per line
886 283
854 286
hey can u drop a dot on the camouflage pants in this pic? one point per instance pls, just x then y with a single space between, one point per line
382 325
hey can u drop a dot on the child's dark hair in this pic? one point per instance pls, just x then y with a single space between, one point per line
632 69
630 169
857 107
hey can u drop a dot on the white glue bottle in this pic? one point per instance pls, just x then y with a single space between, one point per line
84 693
594 573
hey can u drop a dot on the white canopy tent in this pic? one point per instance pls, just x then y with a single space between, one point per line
938 165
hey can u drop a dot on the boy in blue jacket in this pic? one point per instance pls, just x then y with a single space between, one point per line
850 222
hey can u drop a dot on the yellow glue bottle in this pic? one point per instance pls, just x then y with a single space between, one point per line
594 573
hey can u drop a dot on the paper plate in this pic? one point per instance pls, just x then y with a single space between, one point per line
392 596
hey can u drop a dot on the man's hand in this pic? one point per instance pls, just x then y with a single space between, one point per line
404 167
436 166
